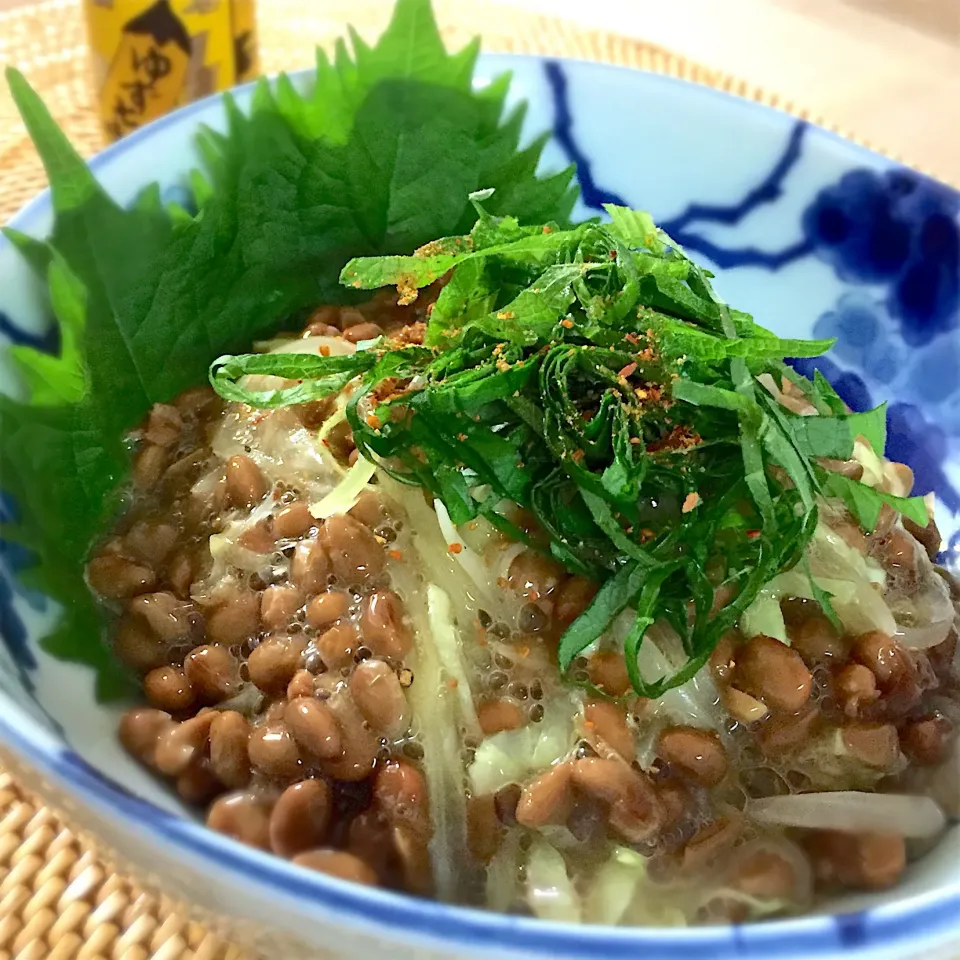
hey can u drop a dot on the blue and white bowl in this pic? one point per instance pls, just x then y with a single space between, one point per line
815 237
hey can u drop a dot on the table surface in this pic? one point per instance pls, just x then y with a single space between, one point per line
886 70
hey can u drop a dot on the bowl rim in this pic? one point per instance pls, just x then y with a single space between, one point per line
429 922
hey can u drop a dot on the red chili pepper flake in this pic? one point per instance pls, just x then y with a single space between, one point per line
547 229
691 502
324 350
678 439
567 322
373 421
628 371
395 554
577 456
462 437
455 547
753 534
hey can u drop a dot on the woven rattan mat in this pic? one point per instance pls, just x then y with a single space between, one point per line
58 900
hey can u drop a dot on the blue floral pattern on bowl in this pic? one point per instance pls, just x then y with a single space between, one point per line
814 236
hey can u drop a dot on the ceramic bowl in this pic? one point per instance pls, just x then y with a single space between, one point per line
813 235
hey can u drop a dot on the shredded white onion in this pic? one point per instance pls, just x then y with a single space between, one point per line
502 874
228 552
280 445
852 810
550 891
765 616
612 889
854 583
930 613
922 638
695 702
472 564
448 646
513 756
343 497
335 419
323 346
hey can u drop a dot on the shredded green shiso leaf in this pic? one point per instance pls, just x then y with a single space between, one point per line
592 376
145 296
587 373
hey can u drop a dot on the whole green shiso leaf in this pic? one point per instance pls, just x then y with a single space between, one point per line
592 376
378 157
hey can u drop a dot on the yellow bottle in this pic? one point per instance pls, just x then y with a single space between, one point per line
151 56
